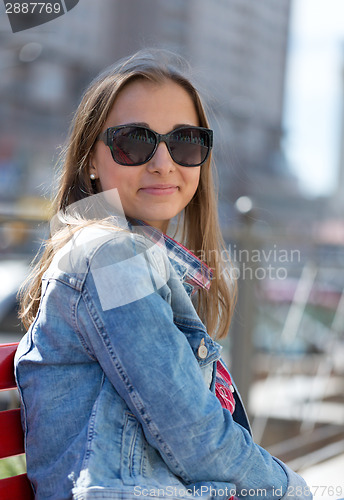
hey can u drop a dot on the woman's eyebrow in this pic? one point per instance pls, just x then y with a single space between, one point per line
144 124
136 124
184 125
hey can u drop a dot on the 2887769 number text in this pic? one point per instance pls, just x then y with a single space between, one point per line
32 8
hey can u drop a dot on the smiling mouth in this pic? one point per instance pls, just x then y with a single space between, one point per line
159 190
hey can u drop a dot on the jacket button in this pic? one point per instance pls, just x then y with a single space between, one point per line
202 350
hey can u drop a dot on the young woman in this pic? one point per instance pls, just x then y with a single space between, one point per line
123 390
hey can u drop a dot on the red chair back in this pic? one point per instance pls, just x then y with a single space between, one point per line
11 433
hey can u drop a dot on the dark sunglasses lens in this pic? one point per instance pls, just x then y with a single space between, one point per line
189 146
132 145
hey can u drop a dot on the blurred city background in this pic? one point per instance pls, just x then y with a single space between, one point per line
272 74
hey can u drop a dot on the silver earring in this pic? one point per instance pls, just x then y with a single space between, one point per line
93 177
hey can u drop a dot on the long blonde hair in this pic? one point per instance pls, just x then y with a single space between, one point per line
201 232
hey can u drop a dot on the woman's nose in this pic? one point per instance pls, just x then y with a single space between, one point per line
162 161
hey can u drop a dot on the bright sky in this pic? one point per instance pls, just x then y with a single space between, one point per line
315 93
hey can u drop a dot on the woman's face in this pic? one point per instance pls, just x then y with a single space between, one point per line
160 189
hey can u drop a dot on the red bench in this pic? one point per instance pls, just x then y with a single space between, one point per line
11 433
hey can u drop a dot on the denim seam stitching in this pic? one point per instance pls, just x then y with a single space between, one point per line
77 329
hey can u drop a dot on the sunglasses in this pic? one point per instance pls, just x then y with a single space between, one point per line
134 145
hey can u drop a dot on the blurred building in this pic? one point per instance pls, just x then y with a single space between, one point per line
43 72
236 47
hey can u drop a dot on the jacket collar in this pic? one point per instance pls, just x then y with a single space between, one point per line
197 273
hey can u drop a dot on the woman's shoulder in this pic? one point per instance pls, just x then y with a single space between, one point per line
95 245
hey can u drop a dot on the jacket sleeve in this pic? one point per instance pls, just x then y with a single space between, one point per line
126 319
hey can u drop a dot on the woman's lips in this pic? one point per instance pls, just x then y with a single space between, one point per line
160 189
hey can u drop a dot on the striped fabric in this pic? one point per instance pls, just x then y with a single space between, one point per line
223 387
198 274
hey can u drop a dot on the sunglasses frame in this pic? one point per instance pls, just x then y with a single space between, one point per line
107 136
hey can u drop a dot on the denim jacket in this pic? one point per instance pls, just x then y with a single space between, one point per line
116 377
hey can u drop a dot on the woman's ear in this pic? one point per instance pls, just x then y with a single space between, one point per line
92 169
